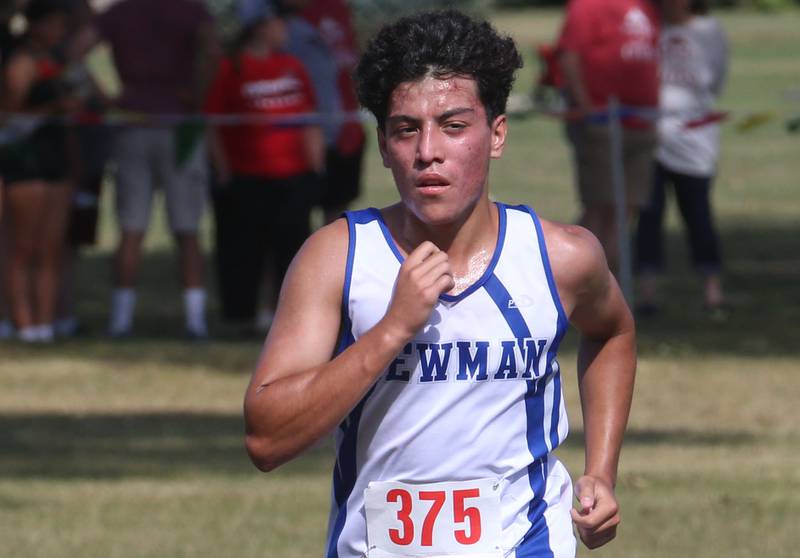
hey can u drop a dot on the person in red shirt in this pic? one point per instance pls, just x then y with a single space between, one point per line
609 48
267 170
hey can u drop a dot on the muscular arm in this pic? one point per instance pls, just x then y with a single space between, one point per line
606 370
299 393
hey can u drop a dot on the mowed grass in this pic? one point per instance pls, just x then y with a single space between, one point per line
136 448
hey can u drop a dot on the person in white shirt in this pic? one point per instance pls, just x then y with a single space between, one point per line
694 59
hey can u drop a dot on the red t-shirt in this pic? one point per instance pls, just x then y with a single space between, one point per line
617 43
272 86
333 21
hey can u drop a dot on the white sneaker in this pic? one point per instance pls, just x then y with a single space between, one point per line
28 334
45 333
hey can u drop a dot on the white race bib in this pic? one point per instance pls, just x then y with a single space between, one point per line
437 520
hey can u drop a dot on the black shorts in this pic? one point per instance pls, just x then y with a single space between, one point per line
40 156
342 179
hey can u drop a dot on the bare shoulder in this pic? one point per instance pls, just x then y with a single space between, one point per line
21 65
307 320
576 259
323 256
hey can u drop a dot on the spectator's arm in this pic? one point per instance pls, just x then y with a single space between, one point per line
18 76
217 102
219 159
82 43
719 55
573 76
314 143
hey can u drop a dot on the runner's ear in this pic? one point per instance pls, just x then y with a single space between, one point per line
499 130
382 145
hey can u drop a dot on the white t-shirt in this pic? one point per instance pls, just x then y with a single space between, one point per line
694 59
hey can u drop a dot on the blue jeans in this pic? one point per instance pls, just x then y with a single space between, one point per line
693 196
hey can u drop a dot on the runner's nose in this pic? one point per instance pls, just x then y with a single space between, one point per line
429 148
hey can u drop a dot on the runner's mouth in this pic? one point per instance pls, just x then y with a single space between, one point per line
432 182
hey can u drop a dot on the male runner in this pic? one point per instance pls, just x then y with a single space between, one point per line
427 331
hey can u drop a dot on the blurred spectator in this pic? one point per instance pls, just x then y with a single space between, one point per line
6 43
36 169
8 9
268 173
609 48
94 149
306 43
694 59
161 50
333 20
6 325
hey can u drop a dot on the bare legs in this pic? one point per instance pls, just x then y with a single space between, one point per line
126 269
39 214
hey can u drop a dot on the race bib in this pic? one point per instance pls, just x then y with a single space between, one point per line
438 520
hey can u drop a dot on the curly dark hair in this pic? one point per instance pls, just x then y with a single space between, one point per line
441 44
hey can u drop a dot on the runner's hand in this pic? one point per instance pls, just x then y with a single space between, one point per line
423 277
597 515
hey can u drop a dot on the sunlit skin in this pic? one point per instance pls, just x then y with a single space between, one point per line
438 143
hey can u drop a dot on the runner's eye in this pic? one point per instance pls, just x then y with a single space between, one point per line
404 131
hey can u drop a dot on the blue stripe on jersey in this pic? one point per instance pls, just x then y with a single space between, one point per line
551 282
489 273
498 249
344 474
561 330
388 236
538 534
346 334
501 298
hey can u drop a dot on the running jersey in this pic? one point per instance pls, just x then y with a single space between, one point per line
475 395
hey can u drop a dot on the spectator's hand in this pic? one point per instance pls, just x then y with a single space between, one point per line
597 515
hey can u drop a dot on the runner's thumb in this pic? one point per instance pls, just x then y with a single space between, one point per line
584 493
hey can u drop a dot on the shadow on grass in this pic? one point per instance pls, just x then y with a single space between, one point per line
762 280
680 437
157 445
171 445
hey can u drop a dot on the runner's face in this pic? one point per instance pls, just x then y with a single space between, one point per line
438 145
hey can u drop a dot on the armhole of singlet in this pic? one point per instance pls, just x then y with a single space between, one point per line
345 329
563 322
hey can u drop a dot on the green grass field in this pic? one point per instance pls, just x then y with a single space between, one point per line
135 449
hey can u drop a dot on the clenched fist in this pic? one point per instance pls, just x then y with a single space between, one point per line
422 278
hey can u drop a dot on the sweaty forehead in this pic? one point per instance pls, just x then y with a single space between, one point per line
432 94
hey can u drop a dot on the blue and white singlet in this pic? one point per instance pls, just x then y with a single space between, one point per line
476 394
